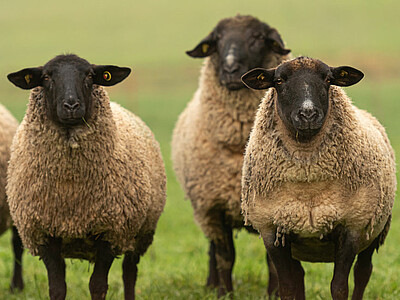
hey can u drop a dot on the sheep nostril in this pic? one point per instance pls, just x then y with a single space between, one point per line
75 106
308 115
71 107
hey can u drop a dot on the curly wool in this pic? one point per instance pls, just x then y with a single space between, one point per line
8 126
103 179
346 175
208 144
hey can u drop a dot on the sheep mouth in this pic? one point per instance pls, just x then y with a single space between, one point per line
305 135
232 81
308 126
71 121
233 85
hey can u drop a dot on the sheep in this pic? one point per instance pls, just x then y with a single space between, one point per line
86 178
318 175
211 133
8 126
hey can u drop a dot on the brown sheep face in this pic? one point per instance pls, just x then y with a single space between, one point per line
302 87
241 43
67 82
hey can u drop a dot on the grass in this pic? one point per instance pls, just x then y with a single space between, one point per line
151 37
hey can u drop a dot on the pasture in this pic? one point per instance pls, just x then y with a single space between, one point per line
151 37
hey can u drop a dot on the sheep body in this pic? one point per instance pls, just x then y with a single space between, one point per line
208 144
211 133
8 126
345 176
104 180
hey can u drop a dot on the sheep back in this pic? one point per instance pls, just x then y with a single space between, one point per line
345 176
106 180
8 126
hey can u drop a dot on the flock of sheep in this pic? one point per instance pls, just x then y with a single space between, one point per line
82 177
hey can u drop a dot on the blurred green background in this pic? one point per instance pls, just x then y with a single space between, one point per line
151 37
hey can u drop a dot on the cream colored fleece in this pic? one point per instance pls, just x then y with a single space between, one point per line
105 179
208 144
346 175
8 126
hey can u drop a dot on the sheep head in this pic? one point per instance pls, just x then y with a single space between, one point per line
67 82
302 87
241 44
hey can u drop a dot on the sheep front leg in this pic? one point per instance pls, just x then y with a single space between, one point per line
17 281
55 265
272 279
212 280
298 272
225 258
281 258
129 274
363 270
98 284
345 252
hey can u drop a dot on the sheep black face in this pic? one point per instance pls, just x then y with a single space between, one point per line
302 87
241 44
67 82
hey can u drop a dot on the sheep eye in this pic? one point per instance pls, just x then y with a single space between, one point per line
90 76
46 77
279 81
327 79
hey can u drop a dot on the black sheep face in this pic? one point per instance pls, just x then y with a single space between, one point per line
67 82
241 44
67 85
302 87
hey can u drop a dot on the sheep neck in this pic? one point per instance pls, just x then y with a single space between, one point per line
229 115
240 104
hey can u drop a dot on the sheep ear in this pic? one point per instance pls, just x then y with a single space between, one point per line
27 79
259 78
274 41
346 76
109 75
206 47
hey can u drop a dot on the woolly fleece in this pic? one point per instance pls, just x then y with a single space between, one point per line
346 175
208 144
8 126
103 180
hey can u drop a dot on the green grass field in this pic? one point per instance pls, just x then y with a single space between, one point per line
151 37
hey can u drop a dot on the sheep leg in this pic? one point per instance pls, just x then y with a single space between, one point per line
298 272
272 279
55 265
212 280
129 274
363 270
345 253
17 281
225 257
98 281
281 257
